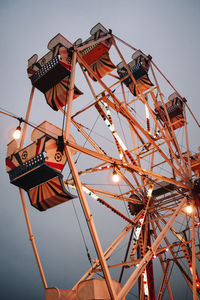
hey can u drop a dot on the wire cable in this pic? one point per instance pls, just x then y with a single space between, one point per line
82 234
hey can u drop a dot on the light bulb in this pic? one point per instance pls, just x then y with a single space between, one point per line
189 209
17 133
115 176
149 192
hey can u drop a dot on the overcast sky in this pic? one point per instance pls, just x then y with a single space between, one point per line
168 30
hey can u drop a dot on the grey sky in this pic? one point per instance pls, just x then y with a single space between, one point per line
168 30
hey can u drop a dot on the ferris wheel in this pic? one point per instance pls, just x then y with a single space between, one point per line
140 138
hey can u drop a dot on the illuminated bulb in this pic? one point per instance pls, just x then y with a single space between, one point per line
189 208
17 133
149 192
154 256
115 176
167 249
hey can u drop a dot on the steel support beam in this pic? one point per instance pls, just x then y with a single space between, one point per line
164 281
31 238
194 275
27 118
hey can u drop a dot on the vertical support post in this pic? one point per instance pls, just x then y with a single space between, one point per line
126 255
84 203
70 97
164 281
194 276
31 237
162 264
27 118
187 140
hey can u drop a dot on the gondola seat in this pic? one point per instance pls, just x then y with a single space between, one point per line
51 73
175 111
139 67
161 188
37 168
97 55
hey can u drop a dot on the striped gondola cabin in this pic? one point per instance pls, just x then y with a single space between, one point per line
97 56
37 168
139 67
174 108
51 73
